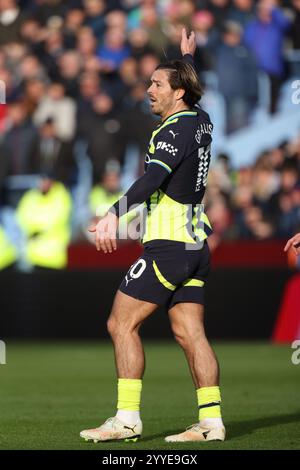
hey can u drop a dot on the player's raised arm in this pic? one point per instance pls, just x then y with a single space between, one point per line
293 243
188 43
188 47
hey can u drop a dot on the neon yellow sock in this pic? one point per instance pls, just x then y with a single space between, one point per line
129 394
209 400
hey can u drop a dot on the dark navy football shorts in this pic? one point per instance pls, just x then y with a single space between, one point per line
168 273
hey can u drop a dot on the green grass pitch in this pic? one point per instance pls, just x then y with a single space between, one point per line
49 392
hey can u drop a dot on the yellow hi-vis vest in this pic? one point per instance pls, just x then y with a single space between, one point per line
45 219
100 201
8 254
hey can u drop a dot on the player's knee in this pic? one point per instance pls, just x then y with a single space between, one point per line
116 327
179 334
186 338
181 339
112 326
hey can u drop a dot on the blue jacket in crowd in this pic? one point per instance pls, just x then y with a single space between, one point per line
266 40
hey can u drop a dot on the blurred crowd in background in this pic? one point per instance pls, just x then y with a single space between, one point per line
75 124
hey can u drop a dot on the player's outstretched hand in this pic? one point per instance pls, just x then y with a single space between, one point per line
106 233
294 243
188 43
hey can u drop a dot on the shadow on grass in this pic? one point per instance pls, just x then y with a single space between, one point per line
236 429
162 435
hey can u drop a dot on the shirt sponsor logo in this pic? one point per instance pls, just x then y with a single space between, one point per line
167 147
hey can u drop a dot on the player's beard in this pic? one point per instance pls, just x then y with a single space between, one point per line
156 109
159 108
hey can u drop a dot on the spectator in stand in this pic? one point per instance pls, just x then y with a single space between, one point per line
113 51
147 64
254 225
293 152
220 217
241 11
265 184
11 91
139 43
14 54
277 157
73 22
30 67
295 40
107 191
34 91
284 205
70 66
86 43
95 18
33 34
50 155
137 110
295 28
127 78
116 19
288 220
89 88
173 50
47 9
221 174
154 24
16 144
11 19
236 71
107 143
249 220
219 10
2 59
186 9
52 50
206 38
8 254
263 200
264 36
43 215
30 30
29 72
60 108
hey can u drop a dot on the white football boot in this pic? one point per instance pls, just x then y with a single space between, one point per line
113 429
197 432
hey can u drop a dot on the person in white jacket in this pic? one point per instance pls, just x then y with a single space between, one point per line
62 109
